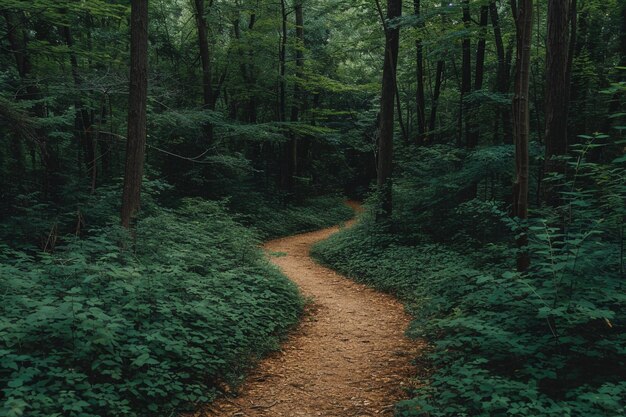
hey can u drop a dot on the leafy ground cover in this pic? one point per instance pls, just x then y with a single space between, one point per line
272 218
109 324
549 342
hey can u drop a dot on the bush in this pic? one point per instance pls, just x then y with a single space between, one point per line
99 329
549 342
273 218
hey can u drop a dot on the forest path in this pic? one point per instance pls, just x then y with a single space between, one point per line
347 358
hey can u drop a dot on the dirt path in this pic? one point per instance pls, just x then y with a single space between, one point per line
348 358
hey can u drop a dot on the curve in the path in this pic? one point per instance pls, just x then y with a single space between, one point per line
348 358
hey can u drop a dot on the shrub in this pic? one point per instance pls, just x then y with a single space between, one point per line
549 342
99 329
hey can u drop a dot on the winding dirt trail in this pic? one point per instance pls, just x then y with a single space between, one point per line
348 357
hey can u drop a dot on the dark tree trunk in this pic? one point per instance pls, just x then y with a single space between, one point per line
291 148
503 72
521 123
208 97
557 84
385 140
479 75
83 120
105 145
507 117
466 77
614 103
282 105
419 74
435 101
136 137
501 68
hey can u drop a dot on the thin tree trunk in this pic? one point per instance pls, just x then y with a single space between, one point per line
521 123
287 149
502 75
83 120
435 101
205 60
466 77
282 107
291 148
137 103
479 75
419 74
385 140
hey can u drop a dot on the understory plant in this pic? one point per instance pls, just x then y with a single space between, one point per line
107 325
548 342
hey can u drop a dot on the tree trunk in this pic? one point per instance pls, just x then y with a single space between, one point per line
474 130
385 140
205 59
435 101
466 77
282 105
557 85
502 75
83 121
291 148
136 137
521 123
419 74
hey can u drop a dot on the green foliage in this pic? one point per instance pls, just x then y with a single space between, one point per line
273 218
142 327
546 343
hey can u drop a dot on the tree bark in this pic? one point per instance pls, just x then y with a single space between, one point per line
521 123
479 75
557 84
439 73
466 77
419 74
137 104
291 147
282 56
83 120
502 75
205 59
385 140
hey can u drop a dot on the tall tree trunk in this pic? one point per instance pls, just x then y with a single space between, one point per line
435 101
479 74
502 75
291 148
615 102
137 103
557 84
286 148
208 98
385 140
282 105
419 75
83 120
466 77
522 10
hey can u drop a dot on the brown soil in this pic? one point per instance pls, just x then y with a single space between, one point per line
348 358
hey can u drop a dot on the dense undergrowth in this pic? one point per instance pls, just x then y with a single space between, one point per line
549 342
97 322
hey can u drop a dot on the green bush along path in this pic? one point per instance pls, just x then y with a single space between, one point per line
349 356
